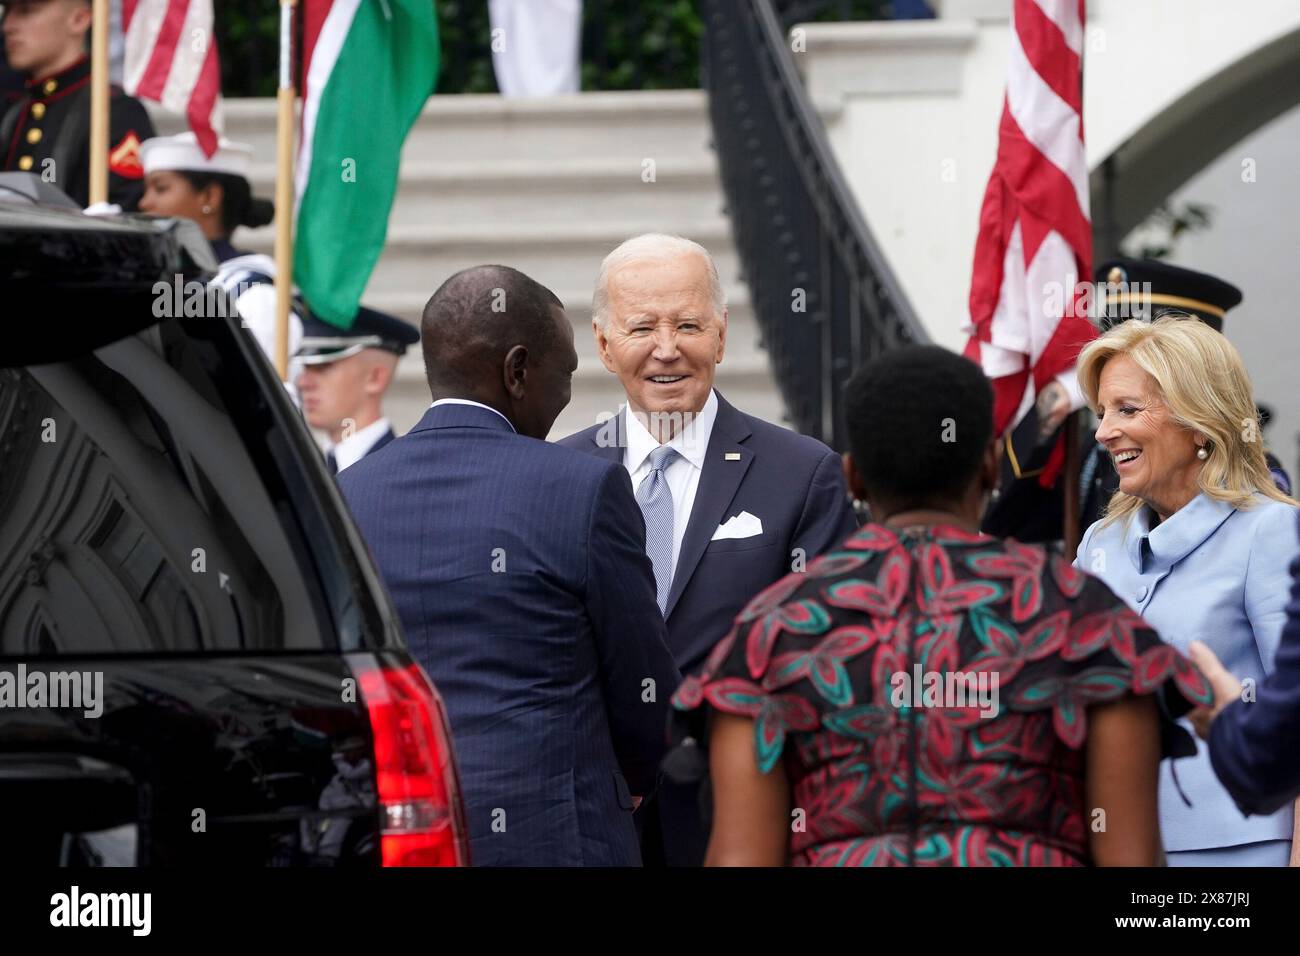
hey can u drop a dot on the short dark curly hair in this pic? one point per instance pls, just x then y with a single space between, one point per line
919 418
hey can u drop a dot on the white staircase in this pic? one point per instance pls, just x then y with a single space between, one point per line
548 186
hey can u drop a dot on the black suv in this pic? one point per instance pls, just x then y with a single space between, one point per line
198 662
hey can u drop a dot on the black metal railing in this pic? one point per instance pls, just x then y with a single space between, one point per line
824 295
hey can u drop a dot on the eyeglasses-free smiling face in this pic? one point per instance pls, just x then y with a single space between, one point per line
1154 456
663 339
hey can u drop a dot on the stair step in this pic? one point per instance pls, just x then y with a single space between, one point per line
527 192
564 255
635 125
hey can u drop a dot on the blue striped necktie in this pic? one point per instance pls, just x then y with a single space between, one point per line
656 501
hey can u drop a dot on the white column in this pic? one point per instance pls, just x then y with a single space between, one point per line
536 46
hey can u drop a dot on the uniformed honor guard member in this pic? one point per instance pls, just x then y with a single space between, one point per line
47 131
1125 289
344 375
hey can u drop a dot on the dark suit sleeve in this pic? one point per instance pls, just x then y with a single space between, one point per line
827 517
128 118
631 639
1255 746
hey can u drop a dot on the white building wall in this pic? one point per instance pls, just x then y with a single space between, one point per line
912 108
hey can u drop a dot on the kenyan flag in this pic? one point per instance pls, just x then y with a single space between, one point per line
369 67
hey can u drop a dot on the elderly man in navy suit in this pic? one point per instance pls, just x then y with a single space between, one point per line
518 569
731 502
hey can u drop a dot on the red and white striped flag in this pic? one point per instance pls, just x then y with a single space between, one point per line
1035 237
171 58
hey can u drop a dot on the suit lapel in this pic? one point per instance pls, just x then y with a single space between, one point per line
719 481
608 440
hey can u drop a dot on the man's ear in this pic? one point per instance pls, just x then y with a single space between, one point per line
991 465
81 19
852 478
515 371
602 347
722 338
380 375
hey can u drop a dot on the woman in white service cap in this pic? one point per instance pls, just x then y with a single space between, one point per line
215 193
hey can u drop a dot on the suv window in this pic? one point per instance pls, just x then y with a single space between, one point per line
139 516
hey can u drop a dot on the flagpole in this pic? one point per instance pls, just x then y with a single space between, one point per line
284 191
1070 475
99 102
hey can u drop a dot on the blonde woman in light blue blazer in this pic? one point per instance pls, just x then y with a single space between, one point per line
1197 540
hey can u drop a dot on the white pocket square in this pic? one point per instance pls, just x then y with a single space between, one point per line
743 525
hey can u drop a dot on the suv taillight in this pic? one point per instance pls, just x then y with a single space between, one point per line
421 817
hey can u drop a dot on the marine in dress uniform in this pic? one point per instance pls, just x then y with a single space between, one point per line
344 375
47 131
1126 289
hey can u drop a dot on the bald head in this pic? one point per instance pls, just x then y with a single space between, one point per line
493 335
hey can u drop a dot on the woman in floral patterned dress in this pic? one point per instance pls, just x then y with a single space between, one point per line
927 695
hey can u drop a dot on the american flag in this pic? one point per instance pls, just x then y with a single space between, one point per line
171 58
1035 237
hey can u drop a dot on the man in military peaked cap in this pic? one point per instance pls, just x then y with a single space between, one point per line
344 375
47 131
1148 288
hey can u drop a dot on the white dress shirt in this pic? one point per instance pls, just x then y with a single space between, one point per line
353 448
683 472
466 401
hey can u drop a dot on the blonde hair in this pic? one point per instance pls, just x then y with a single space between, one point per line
1206 388
654 246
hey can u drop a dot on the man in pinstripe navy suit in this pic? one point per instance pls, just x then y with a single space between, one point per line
519 571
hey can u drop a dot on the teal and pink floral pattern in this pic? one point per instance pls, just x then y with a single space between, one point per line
811 660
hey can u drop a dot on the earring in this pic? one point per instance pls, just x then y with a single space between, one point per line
1202 454
207 210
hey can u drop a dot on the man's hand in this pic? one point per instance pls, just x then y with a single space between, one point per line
1225 686
1053 404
